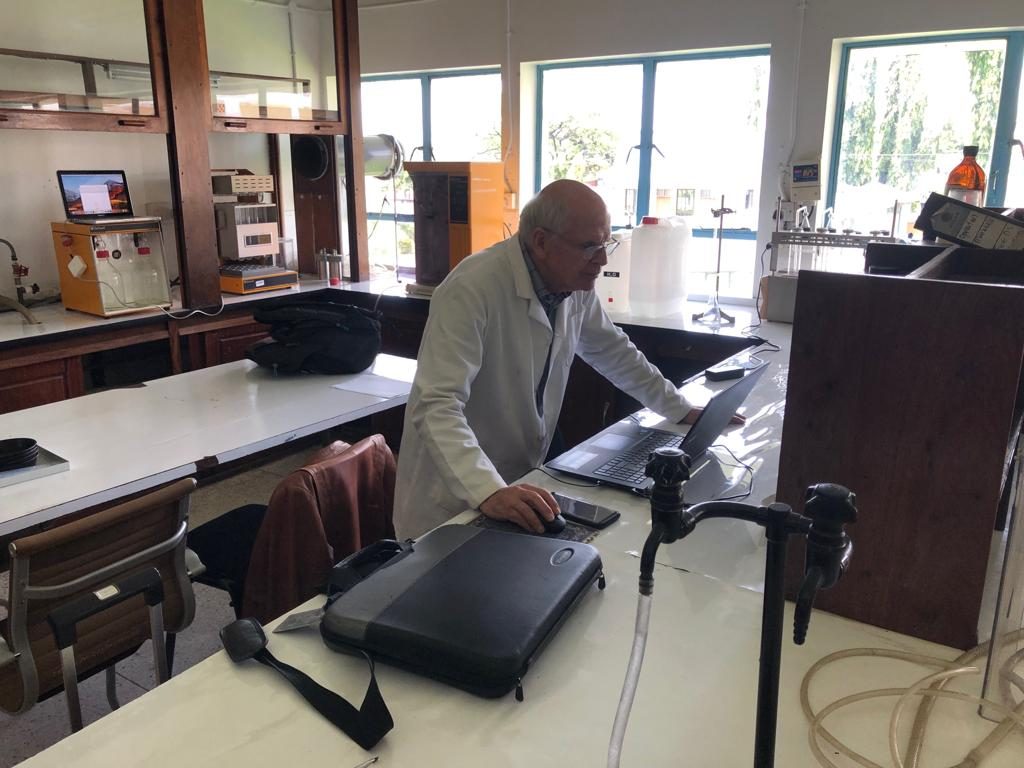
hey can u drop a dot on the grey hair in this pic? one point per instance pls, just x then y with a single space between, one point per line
544 212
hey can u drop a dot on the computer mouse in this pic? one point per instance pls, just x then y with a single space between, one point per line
554 525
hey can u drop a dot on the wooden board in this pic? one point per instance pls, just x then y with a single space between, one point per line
903 390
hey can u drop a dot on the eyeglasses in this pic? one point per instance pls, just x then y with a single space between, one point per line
590 251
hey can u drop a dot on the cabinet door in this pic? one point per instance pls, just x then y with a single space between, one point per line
229 344
263 85
57 76
40 383
587 405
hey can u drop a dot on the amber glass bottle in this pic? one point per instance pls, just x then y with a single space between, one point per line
967 181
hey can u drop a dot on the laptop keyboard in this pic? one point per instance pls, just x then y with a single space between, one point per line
628 467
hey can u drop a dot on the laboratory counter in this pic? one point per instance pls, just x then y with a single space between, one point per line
70 354
695 703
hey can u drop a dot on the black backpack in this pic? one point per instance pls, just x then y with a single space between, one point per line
317 336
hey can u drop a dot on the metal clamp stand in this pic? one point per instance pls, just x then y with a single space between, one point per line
714 316
829 508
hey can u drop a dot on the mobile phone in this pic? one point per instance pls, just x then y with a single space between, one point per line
585 513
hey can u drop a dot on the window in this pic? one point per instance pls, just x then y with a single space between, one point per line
590 129
436 116
904 112
627 128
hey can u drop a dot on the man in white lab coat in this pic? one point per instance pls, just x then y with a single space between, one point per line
503 329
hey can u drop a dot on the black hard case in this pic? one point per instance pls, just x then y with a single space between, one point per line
471 607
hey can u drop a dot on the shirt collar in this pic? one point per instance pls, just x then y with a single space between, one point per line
548 299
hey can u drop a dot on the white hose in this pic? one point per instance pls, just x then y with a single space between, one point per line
636 661
1014 717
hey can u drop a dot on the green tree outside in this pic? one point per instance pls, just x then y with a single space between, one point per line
580 151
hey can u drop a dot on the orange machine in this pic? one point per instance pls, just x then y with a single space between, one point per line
457 211
111 267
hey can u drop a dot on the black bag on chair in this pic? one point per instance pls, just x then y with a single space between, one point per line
317 336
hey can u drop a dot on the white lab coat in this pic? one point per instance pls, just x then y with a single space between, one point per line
471 425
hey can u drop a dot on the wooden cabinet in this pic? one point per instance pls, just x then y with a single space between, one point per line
907 392
52 368
46 382
229 345
204 341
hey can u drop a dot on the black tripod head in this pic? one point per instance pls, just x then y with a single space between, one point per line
670 469
830 507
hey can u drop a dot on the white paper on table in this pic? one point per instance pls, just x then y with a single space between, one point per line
372 384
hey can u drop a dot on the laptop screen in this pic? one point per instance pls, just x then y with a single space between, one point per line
94 194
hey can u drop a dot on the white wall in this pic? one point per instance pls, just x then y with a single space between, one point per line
463 33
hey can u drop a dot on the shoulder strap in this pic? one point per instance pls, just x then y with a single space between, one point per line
366 725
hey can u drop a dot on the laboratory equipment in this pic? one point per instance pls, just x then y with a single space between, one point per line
657 266
822 250
458 209
20 271
246 230
829 508
287 258
247 234
332 266
966 181
111 267
612 284
382 156
713 315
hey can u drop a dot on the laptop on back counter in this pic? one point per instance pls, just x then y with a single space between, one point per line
95 197
618 455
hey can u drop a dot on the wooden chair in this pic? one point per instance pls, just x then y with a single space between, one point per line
84 557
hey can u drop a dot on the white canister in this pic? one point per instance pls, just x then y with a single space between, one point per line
657 274
613 282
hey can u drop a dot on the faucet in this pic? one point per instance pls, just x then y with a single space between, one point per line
20 271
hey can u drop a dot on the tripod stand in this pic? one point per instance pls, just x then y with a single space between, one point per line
713 315
829 508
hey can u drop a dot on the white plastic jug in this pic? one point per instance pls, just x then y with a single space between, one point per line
613 282
657 275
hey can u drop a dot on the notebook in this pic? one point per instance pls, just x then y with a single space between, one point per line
618 456
92 197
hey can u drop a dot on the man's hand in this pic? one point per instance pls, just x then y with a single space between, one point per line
525 505
691 417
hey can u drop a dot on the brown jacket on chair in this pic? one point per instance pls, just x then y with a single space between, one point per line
335 505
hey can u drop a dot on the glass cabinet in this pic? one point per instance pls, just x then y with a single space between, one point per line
91 71
270 61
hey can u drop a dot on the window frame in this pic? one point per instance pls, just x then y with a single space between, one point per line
425 78
646 144
1006 115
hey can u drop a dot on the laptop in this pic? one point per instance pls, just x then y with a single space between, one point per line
96 197
618 456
